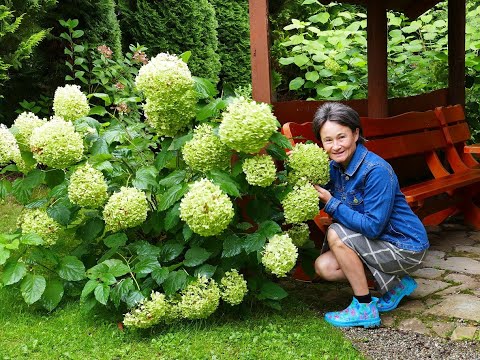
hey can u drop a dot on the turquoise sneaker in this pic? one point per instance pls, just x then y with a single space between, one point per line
356 314
391 299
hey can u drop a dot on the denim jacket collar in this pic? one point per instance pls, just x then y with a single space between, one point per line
357 158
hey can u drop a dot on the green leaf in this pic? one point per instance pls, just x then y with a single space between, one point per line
92 229
205 270
164 158
121 290
146 178
269 228
211 109
5 188
170 250
97 110
31 239
77 34
22 188
60 213
272 291
117 267
277 152
254 242
175 281
54 178
312 76
32 288
53 294
320 17
102 293
185 56
281 140
171 196
105 97
13 272
97 271
4 255
72 269
296 83
146 265
88 289
115 240
173 217
225 182
160 275
133 298
204 88
174 178
187 232
286 61
196 256
232 245
301 60
178 142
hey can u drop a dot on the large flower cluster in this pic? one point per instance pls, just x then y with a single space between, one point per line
206 209
260 170
70 103
168 86
233 287
149 312
23 127
280 255
37 221
300 204
299 233
87 187
9 150
56 144
125 209
308 162
247 125
199 299
205 151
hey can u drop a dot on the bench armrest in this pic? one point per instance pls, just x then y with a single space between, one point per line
472 149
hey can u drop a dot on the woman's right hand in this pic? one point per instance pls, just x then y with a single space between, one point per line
323 194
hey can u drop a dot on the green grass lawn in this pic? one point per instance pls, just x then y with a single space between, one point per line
296 332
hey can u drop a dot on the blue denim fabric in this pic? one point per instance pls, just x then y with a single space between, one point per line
367 199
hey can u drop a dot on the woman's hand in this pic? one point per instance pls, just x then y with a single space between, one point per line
323 195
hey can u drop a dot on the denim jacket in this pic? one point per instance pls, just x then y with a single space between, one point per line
367 199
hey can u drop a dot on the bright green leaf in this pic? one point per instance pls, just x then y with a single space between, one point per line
72 269
196 256
53 294
32 288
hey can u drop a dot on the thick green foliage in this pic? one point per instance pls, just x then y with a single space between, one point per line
234 41
175 27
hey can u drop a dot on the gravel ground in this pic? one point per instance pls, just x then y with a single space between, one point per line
392 344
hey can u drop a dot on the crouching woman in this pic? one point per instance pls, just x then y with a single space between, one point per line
373 224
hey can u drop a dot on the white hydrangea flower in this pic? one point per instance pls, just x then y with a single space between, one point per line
87 187
206 209
169 88
37 221
9 150
233 287
279 255
260 170
23 127
70 103
301 204
57 144
199 299
125 209
308 162
151 312
299 233
247 125
205 151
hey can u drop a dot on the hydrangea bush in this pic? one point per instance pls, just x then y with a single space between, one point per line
166 203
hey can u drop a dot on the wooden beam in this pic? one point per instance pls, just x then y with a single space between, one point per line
260 51
456 51
377 59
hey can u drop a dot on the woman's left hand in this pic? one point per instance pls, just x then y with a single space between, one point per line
323 195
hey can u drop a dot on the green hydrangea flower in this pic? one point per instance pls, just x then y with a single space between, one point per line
279 255
169 88
299 233
300 204
260 170
125 209
247 125
37 221
87 187
233 287
151 312
332 65
308 162
70 103
23 127
56 144
206 209
199 299
9 150
205 151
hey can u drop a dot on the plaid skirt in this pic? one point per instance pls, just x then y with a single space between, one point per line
386 262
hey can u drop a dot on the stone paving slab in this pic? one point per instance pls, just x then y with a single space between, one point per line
414 325
457 264
464 332
468 249
427 287
428 273
442 329
460 306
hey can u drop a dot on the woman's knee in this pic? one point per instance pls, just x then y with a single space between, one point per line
333 239
326 266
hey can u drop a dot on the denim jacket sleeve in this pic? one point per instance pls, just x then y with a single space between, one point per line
378 197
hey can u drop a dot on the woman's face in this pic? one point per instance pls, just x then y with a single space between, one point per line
339 142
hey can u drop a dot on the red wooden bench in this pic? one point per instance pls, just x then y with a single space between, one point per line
436 137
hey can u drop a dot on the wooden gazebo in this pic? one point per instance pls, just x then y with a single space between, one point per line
377 104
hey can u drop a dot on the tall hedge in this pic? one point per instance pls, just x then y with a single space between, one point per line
234 41
174 26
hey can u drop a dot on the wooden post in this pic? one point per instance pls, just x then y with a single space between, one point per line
260 51
377 58
456 51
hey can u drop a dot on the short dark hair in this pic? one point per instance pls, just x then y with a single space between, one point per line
339 113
